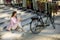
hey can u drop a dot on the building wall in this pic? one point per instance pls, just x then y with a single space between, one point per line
1 2
14 1
58 2
35 4
24 3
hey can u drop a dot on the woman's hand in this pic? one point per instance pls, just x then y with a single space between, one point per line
19 19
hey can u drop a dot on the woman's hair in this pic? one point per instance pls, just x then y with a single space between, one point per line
14 12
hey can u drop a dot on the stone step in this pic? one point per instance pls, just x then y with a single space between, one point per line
3 25
2 6
24 23
4 15
3 20
2 11
11 35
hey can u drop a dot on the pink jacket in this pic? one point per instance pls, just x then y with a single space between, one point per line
13 22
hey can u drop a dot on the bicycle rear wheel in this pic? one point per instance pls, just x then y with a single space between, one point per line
53 21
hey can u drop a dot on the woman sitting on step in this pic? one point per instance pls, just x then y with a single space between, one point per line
15 23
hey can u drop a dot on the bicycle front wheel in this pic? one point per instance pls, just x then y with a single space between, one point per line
35 27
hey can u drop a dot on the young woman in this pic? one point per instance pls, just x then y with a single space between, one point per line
14 22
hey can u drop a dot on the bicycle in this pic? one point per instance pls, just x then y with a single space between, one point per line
37 24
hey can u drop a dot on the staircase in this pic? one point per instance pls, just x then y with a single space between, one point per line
5 18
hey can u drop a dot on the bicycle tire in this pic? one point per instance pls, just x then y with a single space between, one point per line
52 21
34 31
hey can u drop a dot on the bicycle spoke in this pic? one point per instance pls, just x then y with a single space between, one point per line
34 27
